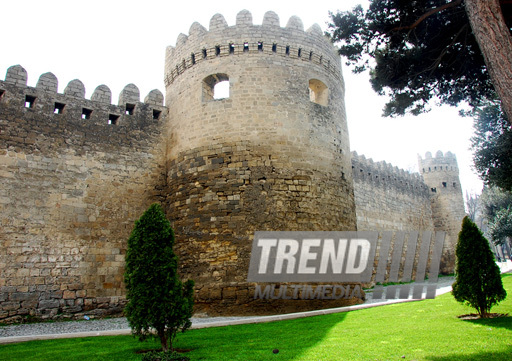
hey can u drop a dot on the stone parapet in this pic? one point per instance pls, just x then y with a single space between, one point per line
441 174
272 154
388 198
291 44
385 175
43 101
72 186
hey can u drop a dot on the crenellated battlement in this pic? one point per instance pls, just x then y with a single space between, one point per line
273 154
383 174
246 39
441 174
75 173
44 102
440 163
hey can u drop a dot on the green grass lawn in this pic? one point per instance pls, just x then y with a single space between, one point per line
424 330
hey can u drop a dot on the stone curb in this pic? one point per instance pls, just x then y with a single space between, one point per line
16 339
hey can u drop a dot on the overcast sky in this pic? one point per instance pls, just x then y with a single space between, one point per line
115 43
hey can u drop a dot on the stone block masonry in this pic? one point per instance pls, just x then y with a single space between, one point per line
220 195
75 175
388 198
272 154
441 174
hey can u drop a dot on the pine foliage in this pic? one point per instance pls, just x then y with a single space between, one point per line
492 146
478 281
157 299
416 51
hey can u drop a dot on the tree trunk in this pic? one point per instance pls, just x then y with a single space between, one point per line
495 41
163 340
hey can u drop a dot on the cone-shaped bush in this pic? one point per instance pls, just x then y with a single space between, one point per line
478 280
157 299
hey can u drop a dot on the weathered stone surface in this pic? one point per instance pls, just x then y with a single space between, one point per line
388 198
72 186
441 174
45 304
265 157
271 154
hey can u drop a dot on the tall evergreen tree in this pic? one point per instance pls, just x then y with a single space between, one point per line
427 49
492 146
157 299
478 281
500 227
494 199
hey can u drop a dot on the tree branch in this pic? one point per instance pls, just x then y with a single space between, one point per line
434 66
427 14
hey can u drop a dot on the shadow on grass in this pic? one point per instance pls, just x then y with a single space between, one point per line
243 342
259 341
502 322
77 349
491 355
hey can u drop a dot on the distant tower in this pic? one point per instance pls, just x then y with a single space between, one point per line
441 174
272 154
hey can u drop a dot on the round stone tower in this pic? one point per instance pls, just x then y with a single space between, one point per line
441 174
271 153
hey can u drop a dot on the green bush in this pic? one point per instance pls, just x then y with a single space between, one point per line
157 299
478 280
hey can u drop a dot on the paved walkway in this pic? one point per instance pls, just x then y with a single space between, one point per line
119 326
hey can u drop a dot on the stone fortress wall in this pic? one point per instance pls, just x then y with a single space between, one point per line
264 158
389 198
272 155
441 175
75 174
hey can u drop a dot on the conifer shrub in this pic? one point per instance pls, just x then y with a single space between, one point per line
478 280
157 299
